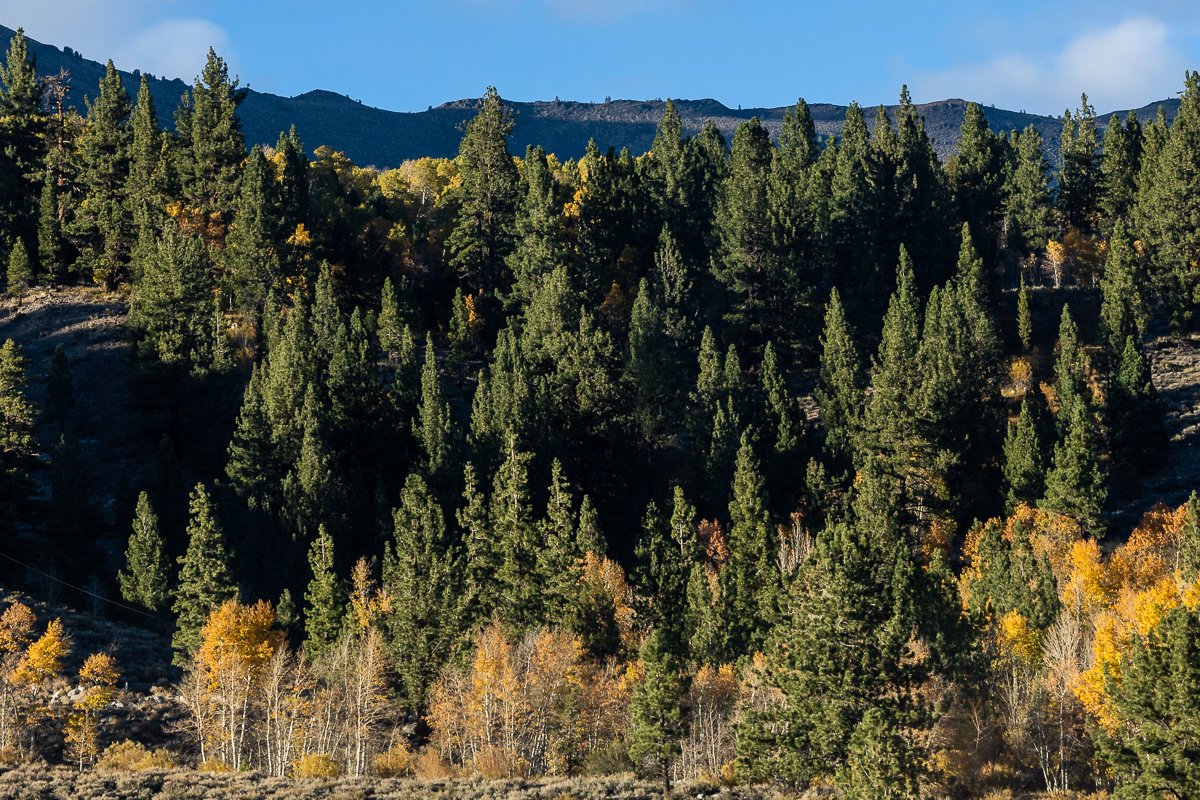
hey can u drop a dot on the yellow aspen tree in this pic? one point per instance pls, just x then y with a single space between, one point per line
98 678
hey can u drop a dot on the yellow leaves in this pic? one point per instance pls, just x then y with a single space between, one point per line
474 317
44 658
595 570
1056 252
1086 586
574 208
1020 377
1017 640
239 638
368 602
16 629
300 237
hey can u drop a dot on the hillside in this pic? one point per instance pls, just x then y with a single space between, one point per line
386 138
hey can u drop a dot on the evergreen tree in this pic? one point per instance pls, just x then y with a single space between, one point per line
649 370
204 579
431 427
60 393
145 579
521 598
664 554
840 390
559 554
421 575
483 234
22 126
391 323
481 551
251 256
103 219
1119 165
1124 310
1024 317
658 719
1135 418
1079 174
214 135
782 414
1075 483
324 600
17 412
1023 468
977 175
1027 201
590 537
49 232
147 168
853 216
749 582
1070 370
1189 546
20 274
839 660
538 227
172 304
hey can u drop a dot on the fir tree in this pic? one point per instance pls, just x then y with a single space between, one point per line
590 537
483 234
1024 317
839 393
1119 165
171 305
521 599
214 134
324 600
1075 484
49 232
1079 175
204 578
251 256
147 170
977 175
390 324
1023 468
22 125
145 579
559 554
421 576
1070 370
1027 201
17 412
20 274
538 226
481 552
1135 417
103 219
657 712
1124 310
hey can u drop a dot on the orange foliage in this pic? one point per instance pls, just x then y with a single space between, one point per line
16 629
238 637
44 658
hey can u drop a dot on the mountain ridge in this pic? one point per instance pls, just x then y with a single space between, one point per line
383 138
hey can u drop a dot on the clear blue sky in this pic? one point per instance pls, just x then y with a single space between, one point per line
407 54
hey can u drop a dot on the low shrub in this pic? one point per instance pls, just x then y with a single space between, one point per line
428 764
129 756
395 762
316 765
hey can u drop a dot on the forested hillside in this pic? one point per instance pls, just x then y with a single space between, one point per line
773 464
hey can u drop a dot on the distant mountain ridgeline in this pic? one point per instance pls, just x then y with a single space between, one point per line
374 136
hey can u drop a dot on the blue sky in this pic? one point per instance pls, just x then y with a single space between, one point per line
408 54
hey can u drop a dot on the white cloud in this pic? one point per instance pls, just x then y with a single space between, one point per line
1124 66
135 34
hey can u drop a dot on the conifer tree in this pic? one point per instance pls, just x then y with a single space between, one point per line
1027 201
1023 467
214 134
1119 165
749 582
1079 175
590 537
17 412
431 427
664 563
1124 310
172 304
22 125
204 578
781 412
977 175
1070 370
145 579
483 234
390 324
481 552
538 227
649 369
251 256
839 393
421 575
49 232
324 599
1024 317
657 712
1189 546
838 658
147 170
60 393
20 274
103 218
1134 415
853 219
520 601
1075 484
558 556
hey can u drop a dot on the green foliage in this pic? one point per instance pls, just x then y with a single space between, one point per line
421 573
1023 462
1024 317
324 599
145 579
1079 178
840 391
20 273
22 129
657 716
172 305
17 412
204 578
1075 483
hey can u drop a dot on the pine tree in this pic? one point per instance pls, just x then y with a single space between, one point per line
1024 317
1075 484
481 552
657 712
1027 201
49 232
60 393
20 274
172 304
204 578
559 554
590 537
251 256
781 411
1023 468
664 562
22 125
145 579
324 599
749 582
103 219
853 215
977 175
214 134
1124 310
538 248
483 234
1134 414
147 170
839 393
17 412
431 427
1119 165
391 323
521 596
839 659
649 371
1070 370
1079 174
421 576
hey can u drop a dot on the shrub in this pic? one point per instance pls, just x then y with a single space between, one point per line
495 763
213 765
316 765
395 762
429 765
129 756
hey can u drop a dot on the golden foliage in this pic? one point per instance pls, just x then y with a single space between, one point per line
596 570
1017 639
129 756
368 602
238 636
16 629
44 658
316 765
395 762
